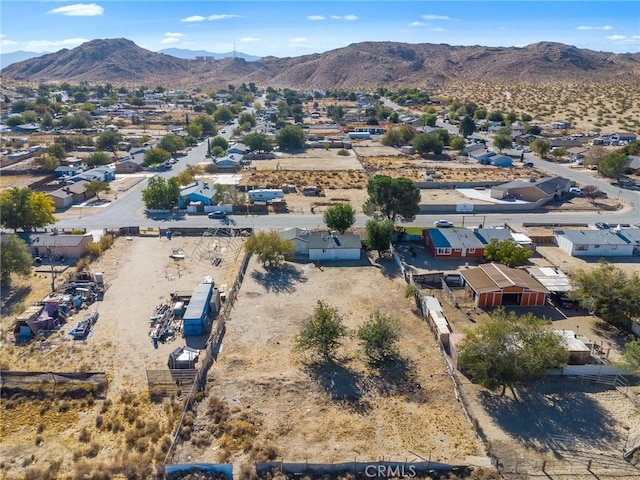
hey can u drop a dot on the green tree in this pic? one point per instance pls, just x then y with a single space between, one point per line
171 143
108 141
379 234
222 114
502 139
340 216
14 257
559 152
161 194
194 129
322 332
96 159
467 126
219 141
610 292
57 151
257 142
510 350
47 162
392 198
428 142
631 357
457 143
507 252
97 187
156 156
541 147
207 124
429 120
290 138
270 248
379 337
613 165
25 209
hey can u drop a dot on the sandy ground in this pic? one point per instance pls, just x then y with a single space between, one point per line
333 412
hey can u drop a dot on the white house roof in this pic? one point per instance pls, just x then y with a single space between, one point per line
601 237
334 241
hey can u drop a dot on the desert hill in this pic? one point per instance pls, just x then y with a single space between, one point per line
365 65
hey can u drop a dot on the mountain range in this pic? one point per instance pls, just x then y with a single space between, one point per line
365 65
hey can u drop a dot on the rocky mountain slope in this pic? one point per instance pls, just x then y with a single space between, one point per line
364 65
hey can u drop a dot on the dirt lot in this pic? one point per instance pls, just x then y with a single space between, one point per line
330 412
141 275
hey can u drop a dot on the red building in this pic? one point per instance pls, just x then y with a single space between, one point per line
493 285
453 243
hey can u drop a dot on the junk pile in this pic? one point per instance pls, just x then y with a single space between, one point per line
166 322
84 326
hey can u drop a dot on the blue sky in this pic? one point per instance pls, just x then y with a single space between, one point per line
291 28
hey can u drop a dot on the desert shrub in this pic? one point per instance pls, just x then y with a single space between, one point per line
85 436
142 444
93 450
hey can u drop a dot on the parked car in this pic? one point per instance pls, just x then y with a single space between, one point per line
443 224
217 214
603 225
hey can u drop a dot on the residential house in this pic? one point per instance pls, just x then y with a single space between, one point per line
599 243
634 164
197 194
483 157
131 163
543 190
453 243
57 246
232 162
100 174
68 170
493 285
238 149
71 194
324 245
501 161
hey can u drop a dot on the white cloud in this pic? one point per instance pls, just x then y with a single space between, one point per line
250 39
193 18
591 27
172 37
297 40
436 17
79 10
316 18
418 24
49 45
222 16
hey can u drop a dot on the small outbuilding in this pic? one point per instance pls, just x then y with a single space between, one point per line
493 285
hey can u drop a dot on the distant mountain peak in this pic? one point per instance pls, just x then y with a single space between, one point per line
365 65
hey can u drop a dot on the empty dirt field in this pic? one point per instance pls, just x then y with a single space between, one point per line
278 404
